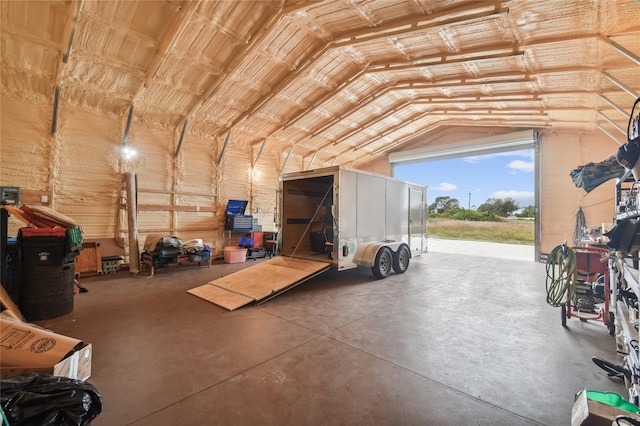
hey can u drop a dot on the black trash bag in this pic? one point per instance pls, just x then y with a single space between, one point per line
46 400
622 236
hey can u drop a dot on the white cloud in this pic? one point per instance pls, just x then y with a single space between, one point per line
475 159
516 195
444 186
524 166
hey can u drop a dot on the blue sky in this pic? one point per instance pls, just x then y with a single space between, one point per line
509 174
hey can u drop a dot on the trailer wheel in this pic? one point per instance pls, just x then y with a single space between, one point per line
401 260
383 263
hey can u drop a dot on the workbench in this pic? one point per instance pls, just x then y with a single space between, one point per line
147 264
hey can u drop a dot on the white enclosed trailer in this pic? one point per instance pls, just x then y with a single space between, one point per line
352 218
331 218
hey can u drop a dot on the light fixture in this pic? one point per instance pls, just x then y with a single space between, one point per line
128 153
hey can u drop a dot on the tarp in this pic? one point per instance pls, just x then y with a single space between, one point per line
592 175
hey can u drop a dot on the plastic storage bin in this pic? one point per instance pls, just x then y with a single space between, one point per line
43 246
235 254
111 265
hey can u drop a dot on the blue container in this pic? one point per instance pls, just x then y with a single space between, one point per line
245 242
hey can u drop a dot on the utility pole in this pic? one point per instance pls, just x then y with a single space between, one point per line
469 202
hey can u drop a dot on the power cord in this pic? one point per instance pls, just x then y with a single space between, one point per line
562 275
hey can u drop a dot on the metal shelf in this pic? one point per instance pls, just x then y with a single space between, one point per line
622 313
627 317
632 277
632 214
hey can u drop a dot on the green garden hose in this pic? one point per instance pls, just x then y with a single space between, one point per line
562 275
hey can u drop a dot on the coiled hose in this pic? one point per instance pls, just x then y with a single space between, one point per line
562 275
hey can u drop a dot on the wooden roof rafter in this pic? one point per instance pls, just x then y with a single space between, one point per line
176 28
378 118
391 130
397 26
488 122
444 59
373 119
248 49
411 85
468 13
373 68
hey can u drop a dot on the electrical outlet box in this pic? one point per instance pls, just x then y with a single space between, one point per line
9 195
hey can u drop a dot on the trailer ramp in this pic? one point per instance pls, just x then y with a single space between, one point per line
260 282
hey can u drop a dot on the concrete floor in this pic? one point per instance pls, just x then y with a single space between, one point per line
458 339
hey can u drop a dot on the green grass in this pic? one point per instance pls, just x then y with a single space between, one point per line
508 231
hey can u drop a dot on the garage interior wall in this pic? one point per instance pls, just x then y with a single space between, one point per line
323 83
80 169
560 200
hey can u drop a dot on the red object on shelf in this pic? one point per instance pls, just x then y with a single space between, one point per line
43 232
258 238
40 222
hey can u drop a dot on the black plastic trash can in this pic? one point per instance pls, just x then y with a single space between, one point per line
46 291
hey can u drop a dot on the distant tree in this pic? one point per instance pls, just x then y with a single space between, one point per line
501 207
443 204
472 215
528 211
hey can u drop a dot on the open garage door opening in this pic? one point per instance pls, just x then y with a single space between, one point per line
480 181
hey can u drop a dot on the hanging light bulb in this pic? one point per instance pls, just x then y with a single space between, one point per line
128 153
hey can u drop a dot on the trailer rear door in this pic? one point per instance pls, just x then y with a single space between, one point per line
260 282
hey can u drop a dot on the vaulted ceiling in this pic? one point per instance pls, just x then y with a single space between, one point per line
338 79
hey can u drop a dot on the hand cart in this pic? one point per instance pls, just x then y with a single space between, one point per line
592 272
578 283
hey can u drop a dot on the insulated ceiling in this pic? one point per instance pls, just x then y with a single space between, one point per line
340 80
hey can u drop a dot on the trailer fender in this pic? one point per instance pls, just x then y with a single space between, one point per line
366 252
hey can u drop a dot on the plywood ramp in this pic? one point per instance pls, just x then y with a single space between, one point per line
260 282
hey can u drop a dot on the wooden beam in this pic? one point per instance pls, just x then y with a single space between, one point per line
171 231
30 196
169 192
175 208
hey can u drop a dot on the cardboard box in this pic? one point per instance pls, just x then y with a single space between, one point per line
26 348
8 307
586 412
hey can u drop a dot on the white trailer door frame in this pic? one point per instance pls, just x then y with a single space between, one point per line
417 219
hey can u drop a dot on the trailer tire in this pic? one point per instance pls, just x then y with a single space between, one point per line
383 263
401 260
